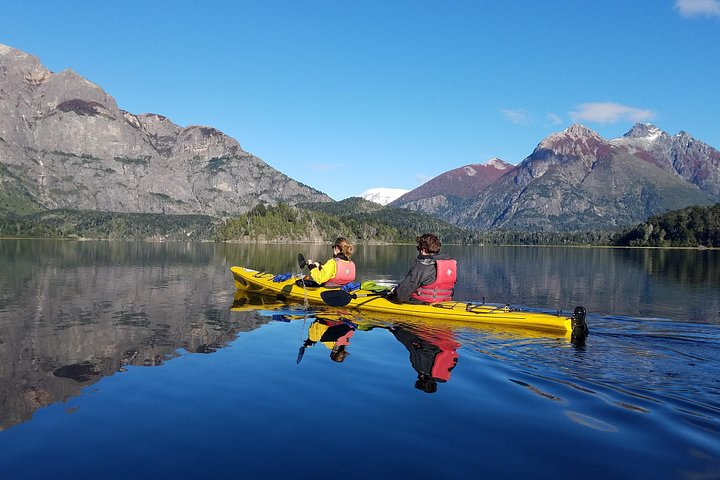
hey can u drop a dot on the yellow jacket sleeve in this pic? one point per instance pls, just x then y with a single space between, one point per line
328 271
316 330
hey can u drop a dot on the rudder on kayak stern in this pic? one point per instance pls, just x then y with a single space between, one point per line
579 325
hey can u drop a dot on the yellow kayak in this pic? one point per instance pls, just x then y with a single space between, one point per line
279 286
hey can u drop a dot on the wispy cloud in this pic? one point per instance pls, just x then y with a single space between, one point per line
554 119
609 113
421 178
516 116
697 8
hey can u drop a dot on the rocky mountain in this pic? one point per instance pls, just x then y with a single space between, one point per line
681 154
65 143
451 188
576 180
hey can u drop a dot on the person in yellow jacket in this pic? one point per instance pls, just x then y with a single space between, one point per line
337 271
333 333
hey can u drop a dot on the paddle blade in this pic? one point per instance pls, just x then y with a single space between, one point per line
300 354
301 261
336 298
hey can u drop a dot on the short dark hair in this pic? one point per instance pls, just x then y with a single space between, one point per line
426 383
429 242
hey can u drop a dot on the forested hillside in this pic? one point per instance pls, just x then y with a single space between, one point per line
110 225
357 219
689 227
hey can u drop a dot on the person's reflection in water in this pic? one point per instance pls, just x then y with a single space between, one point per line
334 334
433 355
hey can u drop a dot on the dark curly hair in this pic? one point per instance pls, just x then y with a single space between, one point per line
428 242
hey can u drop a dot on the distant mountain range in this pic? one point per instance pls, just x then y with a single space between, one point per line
435 196
576 180
64 143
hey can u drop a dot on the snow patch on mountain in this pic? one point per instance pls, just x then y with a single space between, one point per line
498 163
575 134
382 195
642 136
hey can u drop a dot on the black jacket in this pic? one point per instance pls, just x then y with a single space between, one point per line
423 272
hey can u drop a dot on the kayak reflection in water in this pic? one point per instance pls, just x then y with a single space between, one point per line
433 355
333 333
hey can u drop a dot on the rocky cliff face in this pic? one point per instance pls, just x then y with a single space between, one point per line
64 143
576 180
681 154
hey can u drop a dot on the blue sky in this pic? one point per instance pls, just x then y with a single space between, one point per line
349 95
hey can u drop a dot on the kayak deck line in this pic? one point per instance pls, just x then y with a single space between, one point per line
284 287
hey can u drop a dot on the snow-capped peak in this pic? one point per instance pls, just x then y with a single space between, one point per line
382 195
498 163
576 140
644 130
578 130
642 136
573 133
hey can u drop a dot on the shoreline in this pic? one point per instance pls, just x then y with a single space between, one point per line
320 242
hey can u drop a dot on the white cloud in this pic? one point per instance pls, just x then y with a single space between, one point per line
554 119
516 116
609 113
421 178
695 8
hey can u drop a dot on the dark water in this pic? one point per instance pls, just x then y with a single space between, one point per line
128 360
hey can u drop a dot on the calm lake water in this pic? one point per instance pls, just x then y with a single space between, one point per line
124 360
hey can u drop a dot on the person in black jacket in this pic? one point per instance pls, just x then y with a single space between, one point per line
424 273
433 354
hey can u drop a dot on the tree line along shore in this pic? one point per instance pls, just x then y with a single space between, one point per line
361 221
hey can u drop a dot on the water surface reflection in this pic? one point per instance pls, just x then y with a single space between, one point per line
432 349
72 313
80 320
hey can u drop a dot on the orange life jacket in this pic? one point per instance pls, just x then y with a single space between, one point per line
344 272
441 290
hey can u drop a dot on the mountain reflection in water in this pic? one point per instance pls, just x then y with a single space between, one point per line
68 325
239 383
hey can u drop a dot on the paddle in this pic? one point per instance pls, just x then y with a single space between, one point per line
303 263
340 298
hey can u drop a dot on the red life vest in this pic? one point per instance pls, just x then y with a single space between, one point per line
441 290
447 358
444 362
344 272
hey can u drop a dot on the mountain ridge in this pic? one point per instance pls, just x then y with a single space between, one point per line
576 180
65 143
452 187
